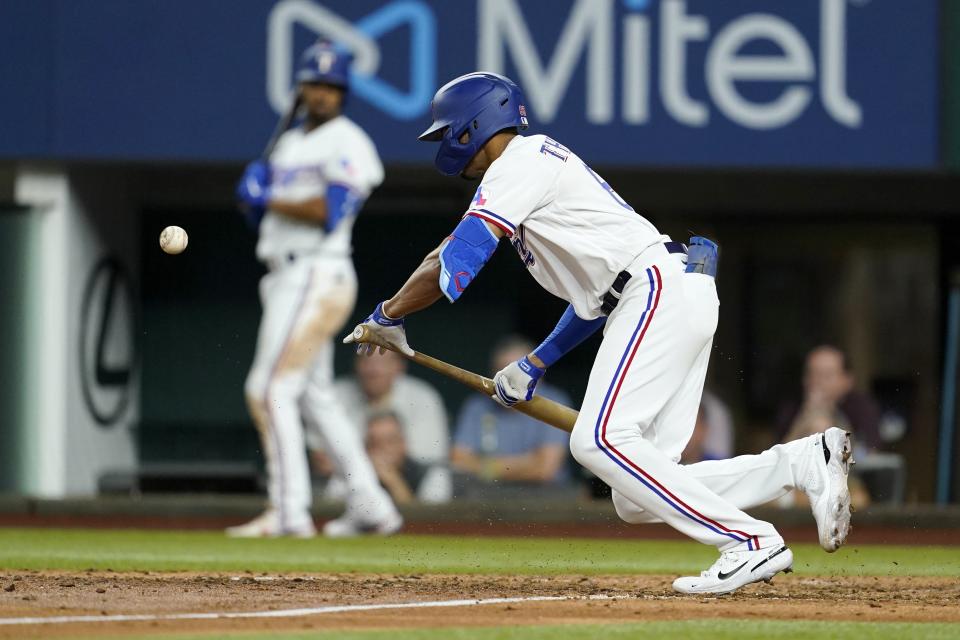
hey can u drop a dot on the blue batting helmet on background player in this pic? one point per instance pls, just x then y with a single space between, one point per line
323 62
482 104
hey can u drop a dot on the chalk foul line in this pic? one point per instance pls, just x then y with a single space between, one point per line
291 613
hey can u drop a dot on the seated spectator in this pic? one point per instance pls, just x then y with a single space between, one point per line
405 479
712 437
830 399
494 443
380 384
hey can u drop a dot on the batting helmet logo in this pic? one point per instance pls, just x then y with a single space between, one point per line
325 61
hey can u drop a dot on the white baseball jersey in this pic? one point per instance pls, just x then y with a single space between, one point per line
574 233
302 166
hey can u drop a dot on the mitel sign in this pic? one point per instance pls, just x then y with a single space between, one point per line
741 82
591 32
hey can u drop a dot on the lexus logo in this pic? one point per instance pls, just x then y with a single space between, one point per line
107 341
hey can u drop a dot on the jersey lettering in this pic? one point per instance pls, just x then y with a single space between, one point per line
519 243
305 174
553 148
607 188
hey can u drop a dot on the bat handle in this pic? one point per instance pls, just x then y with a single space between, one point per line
363 335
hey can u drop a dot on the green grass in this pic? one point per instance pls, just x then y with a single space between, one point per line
130 550
718 629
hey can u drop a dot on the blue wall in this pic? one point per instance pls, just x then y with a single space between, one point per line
187 80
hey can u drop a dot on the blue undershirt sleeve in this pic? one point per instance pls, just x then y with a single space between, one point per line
570 331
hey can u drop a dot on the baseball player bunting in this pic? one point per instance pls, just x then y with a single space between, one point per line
582 242
318 177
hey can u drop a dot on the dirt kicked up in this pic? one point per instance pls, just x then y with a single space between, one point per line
106 595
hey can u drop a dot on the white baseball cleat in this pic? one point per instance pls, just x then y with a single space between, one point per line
347 526
735 569
826 486
267 525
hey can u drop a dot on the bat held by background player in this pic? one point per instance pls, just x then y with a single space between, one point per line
284 123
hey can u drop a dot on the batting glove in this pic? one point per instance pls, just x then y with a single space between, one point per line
253 189
516 382
385 330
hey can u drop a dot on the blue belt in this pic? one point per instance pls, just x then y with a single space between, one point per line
612 297
675 247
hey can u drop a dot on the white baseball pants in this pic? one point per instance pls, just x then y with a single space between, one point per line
305 305
641 405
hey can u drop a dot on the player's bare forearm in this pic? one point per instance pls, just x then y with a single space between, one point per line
312 210
420 290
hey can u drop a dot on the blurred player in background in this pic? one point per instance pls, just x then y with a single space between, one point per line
657 303
304 202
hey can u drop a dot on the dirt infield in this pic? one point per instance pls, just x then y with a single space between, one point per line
630 599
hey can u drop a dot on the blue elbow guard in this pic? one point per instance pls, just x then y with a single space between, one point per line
341 202
569 332
463 255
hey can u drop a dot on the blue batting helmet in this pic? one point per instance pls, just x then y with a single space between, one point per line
325 63
481 103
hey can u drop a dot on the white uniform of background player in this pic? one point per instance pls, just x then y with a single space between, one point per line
578 239
319 175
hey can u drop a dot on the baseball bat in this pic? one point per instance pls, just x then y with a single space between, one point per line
538 408
282 124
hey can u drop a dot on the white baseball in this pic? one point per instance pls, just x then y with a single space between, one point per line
173 240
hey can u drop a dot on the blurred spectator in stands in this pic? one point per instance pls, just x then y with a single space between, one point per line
380 384
712 437
492 443
830 399
406 479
